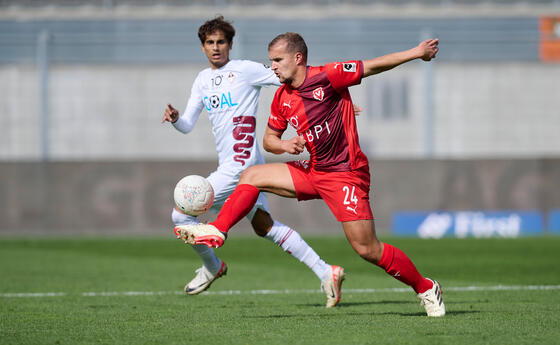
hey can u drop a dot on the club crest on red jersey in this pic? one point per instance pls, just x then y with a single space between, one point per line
318 94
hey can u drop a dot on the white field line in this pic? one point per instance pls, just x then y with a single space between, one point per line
275 292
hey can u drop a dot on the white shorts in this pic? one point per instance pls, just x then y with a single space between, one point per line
224 182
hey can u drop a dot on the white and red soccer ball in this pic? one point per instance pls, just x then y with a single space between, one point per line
193 195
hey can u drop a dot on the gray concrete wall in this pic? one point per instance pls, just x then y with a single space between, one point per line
99 112
136 197
482 110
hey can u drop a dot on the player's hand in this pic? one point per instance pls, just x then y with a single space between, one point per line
428 49
294 146
357 110
171 114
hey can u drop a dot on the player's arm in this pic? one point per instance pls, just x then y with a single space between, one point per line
273 143
426 51
185 123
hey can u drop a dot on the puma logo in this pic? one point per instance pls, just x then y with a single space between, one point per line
352 209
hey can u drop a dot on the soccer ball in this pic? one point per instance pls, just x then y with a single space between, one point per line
193 195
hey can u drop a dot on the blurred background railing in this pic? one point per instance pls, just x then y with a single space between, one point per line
110 4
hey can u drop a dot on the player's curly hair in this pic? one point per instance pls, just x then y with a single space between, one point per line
216 24
296 43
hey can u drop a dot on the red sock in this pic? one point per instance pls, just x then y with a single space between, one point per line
237 206
398 265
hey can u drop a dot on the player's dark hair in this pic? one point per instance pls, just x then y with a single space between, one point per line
216 24
295 43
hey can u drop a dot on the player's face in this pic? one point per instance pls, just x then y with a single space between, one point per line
283 63
216 48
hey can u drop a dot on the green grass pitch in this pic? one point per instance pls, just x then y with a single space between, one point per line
129 291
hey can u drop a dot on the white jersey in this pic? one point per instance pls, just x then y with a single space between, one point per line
230 95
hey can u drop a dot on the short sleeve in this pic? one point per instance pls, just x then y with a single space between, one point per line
345 74
276 120
260 75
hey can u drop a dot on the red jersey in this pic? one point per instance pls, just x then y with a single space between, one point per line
321 111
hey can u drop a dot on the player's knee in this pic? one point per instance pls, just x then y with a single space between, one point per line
262 223
260 232
365 254
369 253
248 176
261 227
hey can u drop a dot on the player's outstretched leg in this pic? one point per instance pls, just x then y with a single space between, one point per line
397 264
212 267
362 237
204 278
237 206
206 234
292 243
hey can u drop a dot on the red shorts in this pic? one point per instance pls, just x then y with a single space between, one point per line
345 192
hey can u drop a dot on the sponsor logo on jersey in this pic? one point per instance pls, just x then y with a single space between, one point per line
231 77
214 101
287 105
294 121
244 134
317 131
349 67
318 94
219 101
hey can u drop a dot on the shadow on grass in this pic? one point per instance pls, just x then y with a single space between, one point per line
423 314
352 304
321 316
341 311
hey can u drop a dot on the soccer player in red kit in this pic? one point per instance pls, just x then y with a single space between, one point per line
316 102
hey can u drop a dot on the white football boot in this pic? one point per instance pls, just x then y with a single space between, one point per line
204 279
332 286
201 234
432 301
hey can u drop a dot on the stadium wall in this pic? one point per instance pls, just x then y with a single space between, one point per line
98 112
136 197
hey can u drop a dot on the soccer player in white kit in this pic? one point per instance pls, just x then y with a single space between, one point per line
229 91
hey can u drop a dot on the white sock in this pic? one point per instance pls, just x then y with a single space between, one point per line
292 243
209 258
